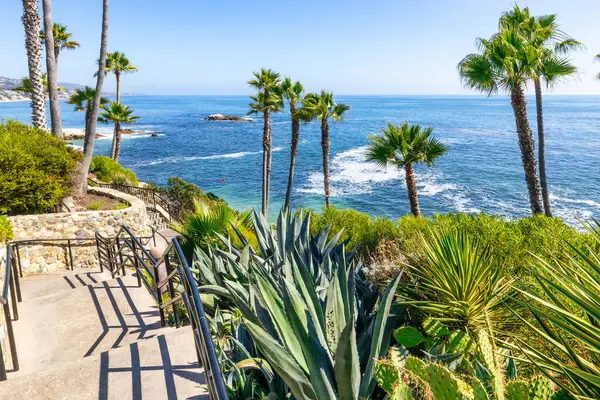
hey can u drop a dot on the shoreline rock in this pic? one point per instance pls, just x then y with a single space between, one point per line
7 96
221 117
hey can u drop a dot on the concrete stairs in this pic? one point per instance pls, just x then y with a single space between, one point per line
83 335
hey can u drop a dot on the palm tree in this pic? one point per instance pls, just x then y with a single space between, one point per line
118 114
83 100
597 58
266 101
31 22
293 93
403 146
543 34
51 71
80 181
505 63
119 64
322 107
62 40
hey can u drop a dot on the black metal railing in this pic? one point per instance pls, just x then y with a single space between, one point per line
150 196
170 282
10 295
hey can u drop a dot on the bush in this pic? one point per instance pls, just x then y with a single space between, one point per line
35 169
110 171
6 232
183 194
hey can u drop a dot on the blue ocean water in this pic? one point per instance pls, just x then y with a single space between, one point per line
481 172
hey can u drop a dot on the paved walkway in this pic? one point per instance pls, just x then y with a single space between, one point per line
83 335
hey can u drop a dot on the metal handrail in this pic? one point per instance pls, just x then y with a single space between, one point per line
177 272
9 286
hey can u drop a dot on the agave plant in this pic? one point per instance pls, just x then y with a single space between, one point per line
574 364
306 306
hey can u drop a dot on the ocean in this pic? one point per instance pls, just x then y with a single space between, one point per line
481 171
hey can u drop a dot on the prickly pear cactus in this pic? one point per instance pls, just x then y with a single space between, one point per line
517 390
408 336
402 392
541 388
479 392
442 384
460 342
417 367
490 359
387 376
435 328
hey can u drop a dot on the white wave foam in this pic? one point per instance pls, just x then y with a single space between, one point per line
587 202
175 160
352 174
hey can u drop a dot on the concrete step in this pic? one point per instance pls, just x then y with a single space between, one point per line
69 325
163 367
38 285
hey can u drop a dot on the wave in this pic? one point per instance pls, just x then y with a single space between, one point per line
175 160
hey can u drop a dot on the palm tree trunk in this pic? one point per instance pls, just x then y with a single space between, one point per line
52 72
117 141
541 147
294 150
113 148
411 186
88 112
527 146
118 76
56 53
266 162
31 22
325 147
90 133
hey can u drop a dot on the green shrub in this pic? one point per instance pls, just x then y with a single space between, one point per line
6 232
35 169
184 194
95 205
110 171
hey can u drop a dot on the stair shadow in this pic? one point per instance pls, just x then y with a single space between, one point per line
141 328
136 370
80 282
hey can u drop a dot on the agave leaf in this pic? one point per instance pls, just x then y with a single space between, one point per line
274 304
214 289
347 364
318 360
306 287
335 314
380 343
282 363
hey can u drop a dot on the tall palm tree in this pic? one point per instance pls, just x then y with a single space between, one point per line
51 67
83 100
31 22
403 146
266 101
505 63
80 181
322 107
544 34
62 39
293 93
597 58
118 64
119 114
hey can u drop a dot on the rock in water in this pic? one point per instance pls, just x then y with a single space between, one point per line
221 117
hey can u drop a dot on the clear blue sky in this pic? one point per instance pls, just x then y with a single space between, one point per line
348 46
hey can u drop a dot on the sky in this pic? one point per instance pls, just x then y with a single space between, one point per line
347 46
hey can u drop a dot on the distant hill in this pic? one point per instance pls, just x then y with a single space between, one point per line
10 83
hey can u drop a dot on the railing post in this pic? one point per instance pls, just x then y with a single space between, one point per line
13 299
19 261
158 293
15 274
11 339
172 293
136 263
3 376
119 250
70 254
99 256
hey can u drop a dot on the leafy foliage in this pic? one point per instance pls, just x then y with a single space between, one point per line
311 315
562 283
35 169
110 171
184 194
6 232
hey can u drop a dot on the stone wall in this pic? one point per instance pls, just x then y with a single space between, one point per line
78 226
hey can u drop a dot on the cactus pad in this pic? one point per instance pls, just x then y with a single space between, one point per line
387 376
541 388
408 336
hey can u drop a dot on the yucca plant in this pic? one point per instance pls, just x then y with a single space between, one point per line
461 284
566 307
311 315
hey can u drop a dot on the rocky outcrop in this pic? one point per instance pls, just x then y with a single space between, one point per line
221 117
